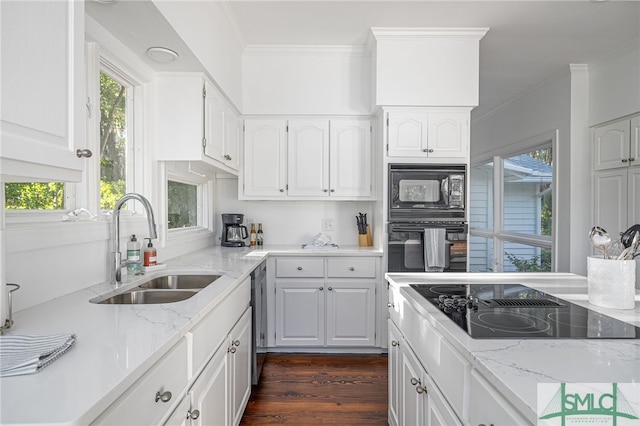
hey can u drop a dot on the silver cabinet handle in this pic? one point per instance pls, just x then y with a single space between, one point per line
415 381
395 343
425 150
325 190
330 288
281 190
390 305
632 159
321 288
624 160
232 350
86 153
430 150
299 268
236 343
421 389
352 268
193 415
164 397
333 190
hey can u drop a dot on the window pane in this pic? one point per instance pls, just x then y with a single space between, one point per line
524 258
113 141
183 205
34 196
527 192
480 254
481 215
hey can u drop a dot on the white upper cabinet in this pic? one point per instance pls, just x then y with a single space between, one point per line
428 133
265 159
195 123
617 144
308 158
42 113
322 158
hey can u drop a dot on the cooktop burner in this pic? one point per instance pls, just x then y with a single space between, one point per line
497 311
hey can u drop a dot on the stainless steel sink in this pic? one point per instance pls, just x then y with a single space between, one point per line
164 289
178 282
148 297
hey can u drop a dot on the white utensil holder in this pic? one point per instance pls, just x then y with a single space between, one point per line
612 283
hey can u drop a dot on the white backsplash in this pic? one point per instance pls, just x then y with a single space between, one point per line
292 222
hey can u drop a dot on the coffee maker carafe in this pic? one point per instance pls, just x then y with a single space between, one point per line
233 232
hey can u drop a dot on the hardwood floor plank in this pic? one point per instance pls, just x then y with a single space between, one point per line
305 389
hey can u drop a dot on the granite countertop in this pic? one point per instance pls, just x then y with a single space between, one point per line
516 366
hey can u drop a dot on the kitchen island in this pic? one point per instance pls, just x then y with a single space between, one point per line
482 378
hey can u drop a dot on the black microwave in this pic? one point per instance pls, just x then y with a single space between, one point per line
427 192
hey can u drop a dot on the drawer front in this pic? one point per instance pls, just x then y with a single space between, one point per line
488 406
298 267
138 406
351 267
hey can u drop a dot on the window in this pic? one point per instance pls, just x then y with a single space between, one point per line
183 209
34 196
511 217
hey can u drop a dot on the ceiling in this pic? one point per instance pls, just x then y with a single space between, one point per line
528 41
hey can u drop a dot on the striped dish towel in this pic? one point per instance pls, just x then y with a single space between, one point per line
30 354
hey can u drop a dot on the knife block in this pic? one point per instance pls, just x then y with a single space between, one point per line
365 240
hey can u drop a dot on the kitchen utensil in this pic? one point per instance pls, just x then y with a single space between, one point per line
626 237
600 239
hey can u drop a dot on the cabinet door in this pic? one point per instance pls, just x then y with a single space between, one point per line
265 158
448 134
181 415
240 366
407 134
412 400
308 158
612 145
351 312
214 122
487 406
209 397
231 149
633 208
43 92
395 356
634 150
610 197
439 413
350 158
300 315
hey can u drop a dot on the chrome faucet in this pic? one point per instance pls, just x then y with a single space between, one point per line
116 228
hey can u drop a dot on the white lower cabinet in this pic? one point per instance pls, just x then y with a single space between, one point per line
394 358
487 406
325 301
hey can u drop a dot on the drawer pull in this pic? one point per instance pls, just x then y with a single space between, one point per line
624 160
421 389
351 268
299 268
236 343
321 288
164 397
390 305
330 288
395 343
415 381
193 415
232 350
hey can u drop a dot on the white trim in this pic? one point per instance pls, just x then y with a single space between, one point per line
296 50
391 33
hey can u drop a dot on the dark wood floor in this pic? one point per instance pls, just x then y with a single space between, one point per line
305 389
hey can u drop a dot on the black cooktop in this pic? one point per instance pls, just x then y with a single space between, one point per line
498 311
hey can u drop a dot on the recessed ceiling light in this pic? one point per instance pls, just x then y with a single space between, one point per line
162 54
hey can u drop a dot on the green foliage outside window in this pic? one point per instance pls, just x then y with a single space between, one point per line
34 196
540 263
113 141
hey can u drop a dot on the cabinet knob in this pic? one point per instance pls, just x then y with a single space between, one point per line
390 305
330 288
395 343
232 350
333 190
421 389
164 397
425 150
351 268
430 150
282 190
624 160
193 415
321 288
632 159
236 343
86 153
415 381
299 268
325 190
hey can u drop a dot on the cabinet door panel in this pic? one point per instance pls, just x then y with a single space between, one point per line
448 135
308 158
300 313
395 342
240 352
635 142
231 151
610 196
265 156
611 145
412 404
407 134
634 196
351 313
350 158
209 394
487 406
214 122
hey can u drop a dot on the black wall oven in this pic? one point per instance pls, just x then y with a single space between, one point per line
427 247
427 192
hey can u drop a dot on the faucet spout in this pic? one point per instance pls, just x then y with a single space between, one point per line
116 228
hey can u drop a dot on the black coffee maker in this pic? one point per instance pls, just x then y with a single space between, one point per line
233 232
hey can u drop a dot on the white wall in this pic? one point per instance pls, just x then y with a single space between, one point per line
206 29
614 85
306 80
292 222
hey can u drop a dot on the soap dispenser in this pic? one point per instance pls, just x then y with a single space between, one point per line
150 254
133 256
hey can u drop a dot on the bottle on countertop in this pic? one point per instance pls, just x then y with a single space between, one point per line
253 237
150 255
259 236
133 256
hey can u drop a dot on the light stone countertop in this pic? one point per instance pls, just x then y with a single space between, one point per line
516 366
118 343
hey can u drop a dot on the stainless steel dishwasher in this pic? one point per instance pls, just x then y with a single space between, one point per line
259 323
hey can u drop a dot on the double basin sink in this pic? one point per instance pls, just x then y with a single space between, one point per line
164 289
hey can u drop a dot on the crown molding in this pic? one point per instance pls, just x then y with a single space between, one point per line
296 50
389 33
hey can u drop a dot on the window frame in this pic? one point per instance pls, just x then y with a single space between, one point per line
498 234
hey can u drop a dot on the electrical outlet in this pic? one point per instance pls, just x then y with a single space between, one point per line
327 225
